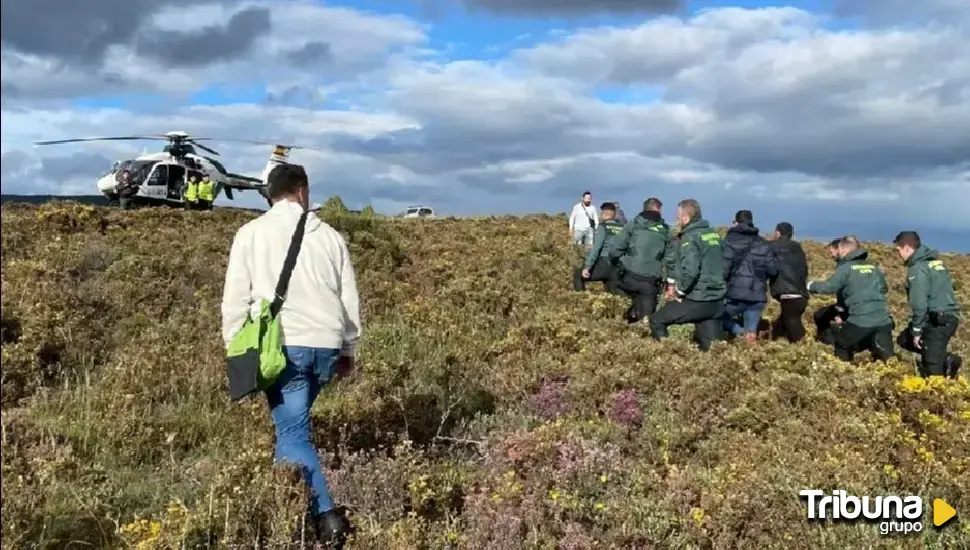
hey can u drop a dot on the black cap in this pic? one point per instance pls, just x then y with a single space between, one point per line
785 229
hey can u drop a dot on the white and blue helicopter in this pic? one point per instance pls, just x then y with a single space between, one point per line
162 177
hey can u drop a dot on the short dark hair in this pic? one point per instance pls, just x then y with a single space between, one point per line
285 179
608 206
849 242
785 229
587 193
835 243
907 238
691 207
744 217
653 203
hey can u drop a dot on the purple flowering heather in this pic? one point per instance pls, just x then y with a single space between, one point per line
626 408
550 402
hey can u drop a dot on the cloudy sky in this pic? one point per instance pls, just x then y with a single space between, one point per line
833 114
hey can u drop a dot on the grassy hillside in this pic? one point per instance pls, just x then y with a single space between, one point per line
494 407
93 200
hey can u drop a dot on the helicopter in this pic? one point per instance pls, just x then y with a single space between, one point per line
161 177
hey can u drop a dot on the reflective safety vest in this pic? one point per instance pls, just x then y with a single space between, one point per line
205 190
192 191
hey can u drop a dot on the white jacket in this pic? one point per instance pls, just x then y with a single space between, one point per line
321 308
578 219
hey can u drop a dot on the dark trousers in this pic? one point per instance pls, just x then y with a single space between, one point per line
826 329
644 291
602 270
852 339
935 360
705 316
205 205
789 322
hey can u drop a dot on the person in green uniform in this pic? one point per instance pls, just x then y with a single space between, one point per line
699 287
644 252
598 265
862 288
935 312
828 319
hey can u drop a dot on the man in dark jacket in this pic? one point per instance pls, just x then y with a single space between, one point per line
935 311
788 285
863 289
828 319
126 189
598 265
699 288
748 263
644 252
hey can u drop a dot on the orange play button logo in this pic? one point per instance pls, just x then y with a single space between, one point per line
942 512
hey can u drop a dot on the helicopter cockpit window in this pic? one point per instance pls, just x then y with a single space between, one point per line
137 169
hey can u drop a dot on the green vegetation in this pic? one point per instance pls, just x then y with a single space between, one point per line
493 407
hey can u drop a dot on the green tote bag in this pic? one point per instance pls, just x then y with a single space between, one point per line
255 356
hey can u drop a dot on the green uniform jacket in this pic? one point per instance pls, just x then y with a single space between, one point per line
603 239
643 246
861 287
700 263
928 287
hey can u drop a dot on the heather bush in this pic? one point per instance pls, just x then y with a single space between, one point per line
493 408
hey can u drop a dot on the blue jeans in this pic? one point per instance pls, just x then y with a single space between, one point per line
750 313
290 400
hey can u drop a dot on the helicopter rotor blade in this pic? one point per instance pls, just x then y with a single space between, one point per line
113 138
257 142
203 147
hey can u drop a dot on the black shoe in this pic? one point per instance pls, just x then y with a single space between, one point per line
333 528
632 315
952 365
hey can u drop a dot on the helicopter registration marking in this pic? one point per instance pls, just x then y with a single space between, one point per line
154 191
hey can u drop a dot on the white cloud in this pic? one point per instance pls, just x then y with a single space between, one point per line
348 43
771 107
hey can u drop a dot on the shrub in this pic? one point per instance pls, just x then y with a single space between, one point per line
494 407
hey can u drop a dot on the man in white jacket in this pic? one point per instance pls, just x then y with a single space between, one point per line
319 322
583 220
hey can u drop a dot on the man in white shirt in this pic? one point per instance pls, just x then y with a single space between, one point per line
583 220
319 322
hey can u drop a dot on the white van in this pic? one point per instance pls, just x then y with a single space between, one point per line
417 212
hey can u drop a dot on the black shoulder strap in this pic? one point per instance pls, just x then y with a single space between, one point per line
288 264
